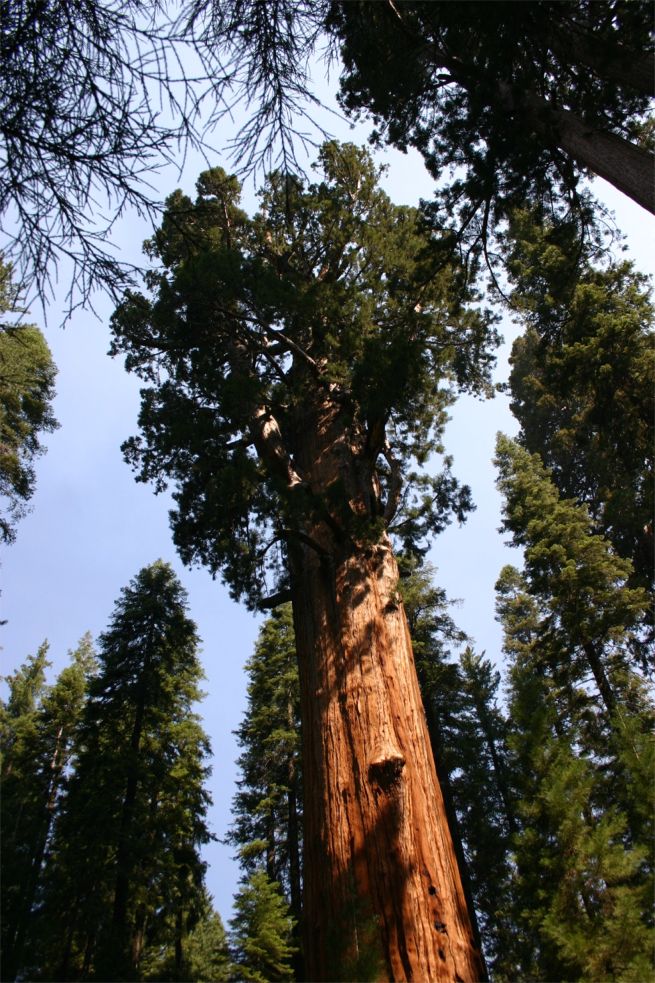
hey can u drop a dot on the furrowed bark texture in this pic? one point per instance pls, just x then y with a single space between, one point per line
383 894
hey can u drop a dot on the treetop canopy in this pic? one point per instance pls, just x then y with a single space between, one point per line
330 292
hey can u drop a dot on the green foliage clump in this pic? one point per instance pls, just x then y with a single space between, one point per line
331 303
27 376
580 741
516 99
261 932
583 377
591 614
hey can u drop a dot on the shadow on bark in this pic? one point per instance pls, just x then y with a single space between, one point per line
383 896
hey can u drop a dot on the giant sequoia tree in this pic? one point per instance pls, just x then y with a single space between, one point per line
297 363
467 734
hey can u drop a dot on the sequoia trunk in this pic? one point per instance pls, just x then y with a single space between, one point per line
383 894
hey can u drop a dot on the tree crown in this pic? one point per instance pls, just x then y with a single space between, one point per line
329 293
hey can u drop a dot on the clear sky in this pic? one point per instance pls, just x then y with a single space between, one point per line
92 528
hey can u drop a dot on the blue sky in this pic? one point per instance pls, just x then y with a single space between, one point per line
92 528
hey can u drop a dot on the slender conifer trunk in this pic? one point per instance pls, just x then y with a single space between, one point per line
383 894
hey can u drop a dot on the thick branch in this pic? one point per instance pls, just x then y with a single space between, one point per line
275 600
625 165
395 483
267 438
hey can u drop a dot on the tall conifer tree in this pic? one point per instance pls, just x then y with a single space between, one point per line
580 741
126 866
260 932
591 615
583 376
40 737
468 733
268 805
300 364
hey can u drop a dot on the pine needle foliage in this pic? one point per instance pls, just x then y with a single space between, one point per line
125 869
580 741
260 932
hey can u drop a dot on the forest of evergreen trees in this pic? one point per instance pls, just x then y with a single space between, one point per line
408 808
103 812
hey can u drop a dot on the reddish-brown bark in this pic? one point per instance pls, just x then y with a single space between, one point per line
383 894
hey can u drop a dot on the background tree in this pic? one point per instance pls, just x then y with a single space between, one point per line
468 733
201 954
267 807
207 950
593 614
27 376
581 872
19 734
125 866
260 932
298 363
40 729
583 376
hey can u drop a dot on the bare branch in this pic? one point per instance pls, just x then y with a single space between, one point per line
275 600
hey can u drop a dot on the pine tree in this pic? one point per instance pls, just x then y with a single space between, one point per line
582 873
208 955
267 808
579 896
126 857
483 793
583 376
299 364
590 612
20 799
260 932
199 954
468 733
42 738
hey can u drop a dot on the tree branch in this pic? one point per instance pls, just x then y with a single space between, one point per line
275 600
395 483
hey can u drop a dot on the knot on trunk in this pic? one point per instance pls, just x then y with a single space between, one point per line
385 770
